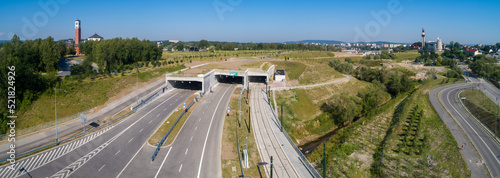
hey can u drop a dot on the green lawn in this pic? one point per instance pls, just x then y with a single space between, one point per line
229 144
293 69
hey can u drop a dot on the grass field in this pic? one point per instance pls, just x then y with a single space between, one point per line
229 155
407 56
303 119
375 146
76 96
482 107
163 129
318 73
293 69
217 56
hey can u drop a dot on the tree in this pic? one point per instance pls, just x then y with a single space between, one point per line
334 63
342 107
203 43
179 46
431 73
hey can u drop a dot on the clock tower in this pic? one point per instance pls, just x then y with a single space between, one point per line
78 36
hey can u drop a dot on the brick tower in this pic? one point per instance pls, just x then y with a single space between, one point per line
78 36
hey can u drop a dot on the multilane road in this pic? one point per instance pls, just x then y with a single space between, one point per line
467 130
104 155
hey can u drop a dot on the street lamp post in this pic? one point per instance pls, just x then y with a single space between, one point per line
137 84
265 163
55 111
496 122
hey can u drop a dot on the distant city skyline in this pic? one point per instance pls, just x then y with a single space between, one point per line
398 21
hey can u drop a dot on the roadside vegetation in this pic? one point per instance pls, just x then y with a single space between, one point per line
482 107
404 137
230 160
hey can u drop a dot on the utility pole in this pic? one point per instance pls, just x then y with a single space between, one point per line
249 120
55 111
271 166
324 160
281 118
137 84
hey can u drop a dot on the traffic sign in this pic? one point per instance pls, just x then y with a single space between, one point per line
463 98
228 109
233 74
184 106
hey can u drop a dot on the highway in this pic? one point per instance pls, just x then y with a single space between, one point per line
105 154
196 151
488 89
467 130
267 143
45 137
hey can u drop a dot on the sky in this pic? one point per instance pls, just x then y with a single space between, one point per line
464 21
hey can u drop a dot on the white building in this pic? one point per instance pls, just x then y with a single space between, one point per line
95 37
436 45
280 76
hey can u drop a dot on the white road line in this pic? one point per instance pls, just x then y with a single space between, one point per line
164 109
170 104
49 154
150 122
196 128
17 167
141 130
101 168
117 152
130 140
158 115
493 154
33 161
180 168
41 160
163 162
131 160
61 150
191 138
208 132
144 142
186 151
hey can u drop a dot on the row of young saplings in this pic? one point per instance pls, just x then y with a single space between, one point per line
411 142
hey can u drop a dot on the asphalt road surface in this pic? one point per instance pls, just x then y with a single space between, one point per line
484 143
196 150
32 142
104 155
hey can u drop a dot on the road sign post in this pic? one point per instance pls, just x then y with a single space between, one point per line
83 117
184 106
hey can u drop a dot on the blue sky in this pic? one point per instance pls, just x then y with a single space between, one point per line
465 21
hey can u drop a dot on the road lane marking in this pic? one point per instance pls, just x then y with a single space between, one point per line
144 142
101 168
117 152
191 138
158 115
141 130
164 109
196 128
180 168
130 140
186 151
150 122
208 132
495 156
67 171
163 162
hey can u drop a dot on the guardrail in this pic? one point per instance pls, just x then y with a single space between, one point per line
45 125
304 160
165 138
98 127
148 99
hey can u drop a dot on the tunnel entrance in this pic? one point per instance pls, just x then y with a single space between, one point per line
257 79
187 85
229 79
